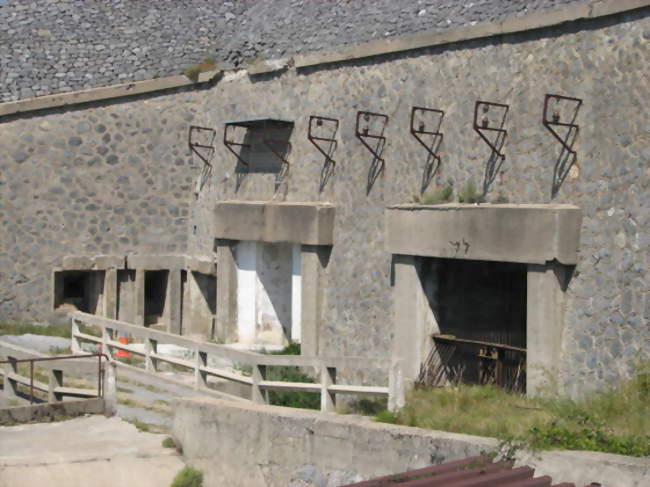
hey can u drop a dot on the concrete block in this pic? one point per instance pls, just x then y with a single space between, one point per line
77 262
204 265
109 261
505 233
304 223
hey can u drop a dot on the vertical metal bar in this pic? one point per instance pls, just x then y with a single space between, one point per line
31 381
99 375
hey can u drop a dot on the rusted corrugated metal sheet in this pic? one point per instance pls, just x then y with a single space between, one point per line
479 471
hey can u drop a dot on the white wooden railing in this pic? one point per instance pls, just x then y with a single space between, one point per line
327 384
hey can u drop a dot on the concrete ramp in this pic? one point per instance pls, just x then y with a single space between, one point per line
93 450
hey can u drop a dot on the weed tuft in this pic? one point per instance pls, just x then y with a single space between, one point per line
195 70
469 194
188 477
436 196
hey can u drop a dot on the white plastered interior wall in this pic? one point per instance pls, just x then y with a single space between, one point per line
269 293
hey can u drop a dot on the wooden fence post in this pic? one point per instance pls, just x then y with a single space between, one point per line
259 396
56 380
327 398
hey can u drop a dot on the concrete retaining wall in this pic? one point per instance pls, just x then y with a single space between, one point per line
251 445
41 412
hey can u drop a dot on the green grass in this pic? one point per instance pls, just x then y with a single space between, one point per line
188 477
436 196
7 328
144 427
616 420
195 70
168 443
469 194
293 399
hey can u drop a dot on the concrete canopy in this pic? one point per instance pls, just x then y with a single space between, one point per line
268 221
532 234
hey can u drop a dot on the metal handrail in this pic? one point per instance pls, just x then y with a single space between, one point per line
99 355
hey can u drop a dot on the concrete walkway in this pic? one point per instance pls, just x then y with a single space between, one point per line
94 450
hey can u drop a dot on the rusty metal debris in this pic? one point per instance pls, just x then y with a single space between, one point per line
453 359
481 471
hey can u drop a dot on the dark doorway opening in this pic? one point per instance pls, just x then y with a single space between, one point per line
155 294
81 290
480 308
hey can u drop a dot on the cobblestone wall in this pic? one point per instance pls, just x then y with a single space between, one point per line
112 179
66 189
54 46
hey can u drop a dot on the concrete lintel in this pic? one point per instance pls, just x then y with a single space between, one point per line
155 262
587 10
266 221
103 93
77 262
97 262
533 234
204 265
269 66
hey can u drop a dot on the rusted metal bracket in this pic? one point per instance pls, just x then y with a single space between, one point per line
365 132
484 125
421 130
201 143
230 144
316 140
554 120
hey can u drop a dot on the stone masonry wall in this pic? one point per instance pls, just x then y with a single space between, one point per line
599 61
55 46
111 179
64 189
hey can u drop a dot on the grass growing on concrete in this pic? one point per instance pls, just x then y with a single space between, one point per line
144 427
616 420
436 196
293 399
7 328
195 70
168 442
188 477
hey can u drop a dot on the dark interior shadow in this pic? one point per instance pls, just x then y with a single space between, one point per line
564 162
376 166
431 165
493 164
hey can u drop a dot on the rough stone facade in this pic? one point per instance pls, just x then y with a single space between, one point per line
111 179
55 46
600 61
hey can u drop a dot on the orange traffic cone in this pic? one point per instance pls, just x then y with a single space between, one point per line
123 353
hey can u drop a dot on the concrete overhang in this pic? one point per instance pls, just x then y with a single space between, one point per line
204 265
532 234
97 262
266 221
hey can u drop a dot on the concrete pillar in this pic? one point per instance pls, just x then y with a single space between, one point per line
545 304
173 302
138 318
110 294
314 260
226 319
406 329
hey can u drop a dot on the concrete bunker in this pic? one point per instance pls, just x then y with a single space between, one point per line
82 290
479 291
272 269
